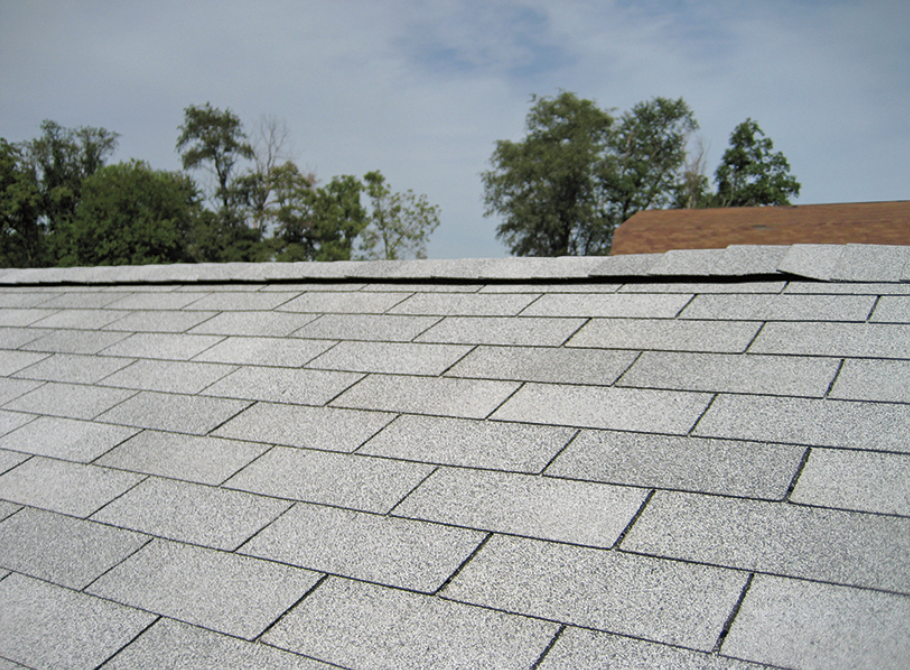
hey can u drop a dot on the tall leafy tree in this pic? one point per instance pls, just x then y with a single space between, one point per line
400 224
751 173
214 139
579 173
646 157
130 214
22 241
547 186
62 159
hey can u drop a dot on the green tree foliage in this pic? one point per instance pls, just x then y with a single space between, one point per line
316 224
130 214
22 241
751 173
400 224
63 158
214 139
579 173
547 187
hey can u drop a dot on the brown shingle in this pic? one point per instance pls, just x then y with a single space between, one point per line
657 231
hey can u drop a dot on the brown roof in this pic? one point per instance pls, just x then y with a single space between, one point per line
657 231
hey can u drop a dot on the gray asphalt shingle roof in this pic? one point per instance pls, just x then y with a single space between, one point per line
687 460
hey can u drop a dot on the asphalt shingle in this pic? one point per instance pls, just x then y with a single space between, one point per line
359 625
564 511
232 594
691 459
726 467
396 552
46 626
650 598
847 548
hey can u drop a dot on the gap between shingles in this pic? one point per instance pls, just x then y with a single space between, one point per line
547 649
560 451
641 509
834 378
464 564
414 488
135 637
796 475
729 622
309 591
691 431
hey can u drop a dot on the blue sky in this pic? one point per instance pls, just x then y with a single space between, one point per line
422 90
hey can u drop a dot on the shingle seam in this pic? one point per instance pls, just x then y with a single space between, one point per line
617 546
543 654
795 479
319 582
463 565
115 565
725 630
391 510
127 644
543 470
239 547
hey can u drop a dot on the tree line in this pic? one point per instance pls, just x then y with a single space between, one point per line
580 172
61 204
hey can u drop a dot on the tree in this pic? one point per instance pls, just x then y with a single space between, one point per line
316 224
130 214
62 159
579 173
751 174
547 187
214 139
400 224
646 157
22 242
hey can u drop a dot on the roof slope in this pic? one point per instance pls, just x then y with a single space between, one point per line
656 231
696 459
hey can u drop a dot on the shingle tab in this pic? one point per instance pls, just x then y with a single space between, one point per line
178 413
524 331
12 362
771 375
63 550
596 407
710 336
469 443
45 626
74 401
203 515
228 593
368 484
466 398
615 305
464 304
390 357
892 309
369 327
81 441
834 339
841 547
264 351
747 469
687 262
325 428
172 346
73 341
814 261
237 301
786 307
344 303
870 262
802 624
168 376
856 480
665 601
551 509
266 324
72 368
302 387
153 321
60 486
887 381
207 460
11 420
544 364
80 319
823 423
171 644
579 648
358 625
397 552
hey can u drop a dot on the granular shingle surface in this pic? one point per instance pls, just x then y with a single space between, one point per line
683 460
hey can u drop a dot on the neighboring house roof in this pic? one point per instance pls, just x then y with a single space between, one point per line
660 230
695 459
